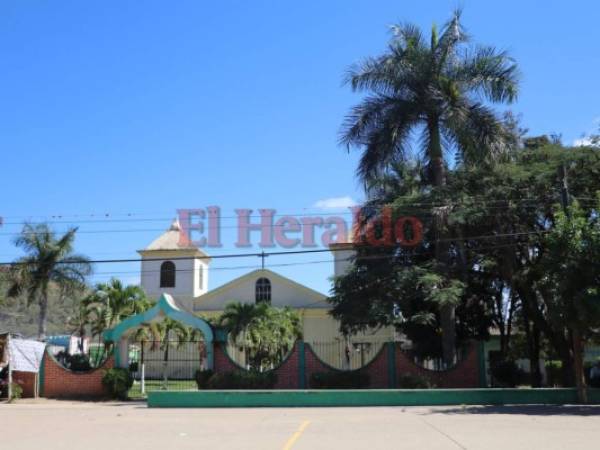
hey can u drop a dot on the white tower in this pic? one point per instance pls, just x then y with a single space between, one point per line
342 256
173 265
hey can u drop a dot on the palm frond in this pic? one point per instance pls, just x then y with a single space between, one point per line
490 72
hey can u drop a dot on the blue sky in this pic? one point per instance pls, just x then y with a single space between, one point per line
128 107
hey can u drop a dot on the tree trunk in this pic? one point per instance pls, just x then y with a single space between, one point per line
536 374
532 335
438 173
578 353
43 317
165 365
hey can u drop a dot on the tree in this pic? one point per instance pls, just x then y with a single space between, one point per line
266 334
49 261
112 302
572 278
237 319
173 333
434 88
497 219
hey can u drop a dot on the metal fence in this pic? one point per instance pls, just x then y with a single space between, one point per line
340 354
348 355
168 365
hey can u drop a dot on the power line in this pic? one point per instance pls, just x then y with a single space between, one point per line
133 217
276 253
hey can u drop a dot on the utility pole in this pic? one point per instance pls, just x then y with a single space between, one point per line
576 337
10 382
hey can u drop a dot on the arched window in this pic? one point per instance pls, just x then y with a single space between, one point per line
167 275
263 290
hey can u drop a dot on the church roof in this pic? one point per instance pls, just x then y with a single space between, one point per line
318 300
173 240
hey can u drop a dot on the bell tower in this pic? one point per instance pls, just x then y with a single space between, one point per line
172 264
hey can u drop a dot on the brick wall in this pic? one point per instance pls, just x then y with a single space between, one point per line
63 383
377 368
287 371
27 381
222 362
464 375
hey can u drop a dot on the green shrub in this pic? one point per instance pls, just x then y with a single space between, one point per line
76 363
554 373
506 373
242 380
16 392
410 381
79 363
117 382
339 380
202 377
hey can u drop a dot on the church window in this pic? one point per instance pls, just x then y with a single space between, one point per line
263 290
167 275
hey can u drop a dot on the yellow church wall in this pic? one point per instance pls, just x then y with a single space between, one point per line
321 331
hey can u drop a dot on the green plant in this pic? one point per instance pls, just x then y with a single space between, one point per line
76 363
242 380
411 381
554 373
339 380
16 392
79 363
265 334
202 377
506 373
50 260
117 382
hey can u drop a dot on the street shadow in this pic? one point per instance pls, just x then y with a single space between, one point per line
533 410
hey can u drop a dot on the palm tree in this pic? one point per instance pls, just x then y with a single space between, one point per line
267 334
79 321
237 318
175 333
434 87
437 89
112 302
49 261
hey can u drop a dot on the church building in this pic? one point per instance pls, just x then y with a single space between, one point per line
182 270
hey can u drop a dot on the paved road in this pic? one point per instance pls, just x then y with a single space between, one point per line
53 425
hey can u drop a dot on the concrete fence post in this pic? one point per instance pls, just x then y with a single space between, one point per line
391 364
301 365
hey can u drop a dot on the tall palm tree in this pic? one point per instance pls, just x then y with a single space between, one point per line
50 261
436 88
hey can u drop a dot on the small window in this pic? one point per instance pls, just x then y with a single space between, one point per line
263 290
167 275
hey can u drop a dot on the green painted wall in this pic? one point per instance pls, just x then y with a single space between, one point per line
378 397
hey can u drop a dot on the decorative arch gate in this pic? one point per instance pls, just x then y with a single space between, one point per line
166 363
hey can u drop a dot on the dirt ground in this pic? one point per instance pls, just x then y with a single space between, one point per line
67 425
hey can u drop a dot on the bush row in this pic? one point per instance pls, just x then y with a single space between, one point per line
207 379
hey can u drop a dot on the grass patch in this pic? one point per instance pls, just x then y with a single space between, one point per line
158 385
